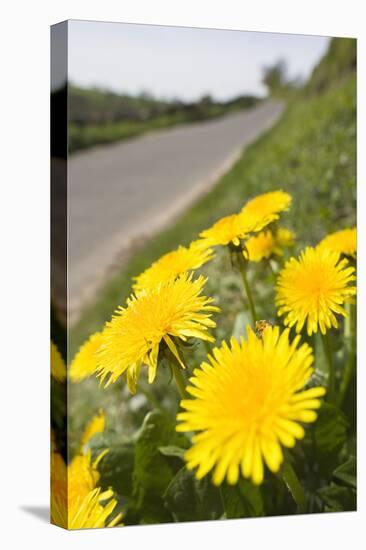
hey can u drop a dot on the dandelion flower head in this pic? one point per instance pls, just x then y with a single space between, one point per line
76 501
344 242
229 229
173 264
285 237
84 363
95 425
249 401
176 310
260 246
263 209
312 289
266 244
254 216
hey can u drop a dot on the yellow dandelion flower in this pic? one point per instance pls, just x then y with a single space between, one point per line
285 237
265 208
93 511
313 288
76 501
173 264
58 491
134 335
58 367
84 363
225 231
261 246
254 216
344 242
266 244
248 402
82 474
95 426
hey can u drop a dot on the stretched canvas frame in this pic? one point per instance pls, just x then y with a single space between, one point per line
110 467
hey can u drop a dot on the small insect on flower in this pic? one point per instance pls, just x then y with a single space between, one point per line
312 289
248 400
260 326
344 242
173 264
172 311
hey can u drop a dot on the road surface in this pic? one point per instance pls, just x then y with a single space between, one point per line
120 192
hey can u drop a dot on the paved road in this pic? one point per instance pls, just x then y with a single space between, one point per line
123 191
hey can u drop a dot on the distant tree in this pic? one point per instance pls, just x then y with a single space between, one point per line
275 77
206 100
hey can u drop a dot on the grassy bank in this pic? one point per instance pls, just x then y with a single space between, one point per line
310 153
83 137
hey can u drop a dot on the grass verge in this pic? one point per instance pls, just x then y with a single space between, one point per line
90 135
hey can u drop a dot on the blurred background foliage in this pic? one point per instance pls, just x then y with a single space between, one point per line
311 153
339 63
98 117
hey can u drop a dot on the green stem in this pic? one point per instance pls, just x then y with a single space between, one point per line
243 272
271 269
222 502
293 484
207 346
331 374
150 397
348 322
179 380
350 339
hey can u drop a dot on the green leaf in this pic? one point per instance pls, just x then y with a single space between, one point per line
153 471
190 499
172 450
329 436
346 473
341 494
117 465
242 500
338 499
321 364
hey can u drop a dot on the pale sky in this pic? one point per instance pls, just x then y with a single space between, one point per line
181 62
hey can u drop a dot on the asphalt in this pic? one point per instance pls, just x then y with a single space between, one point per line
125 191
